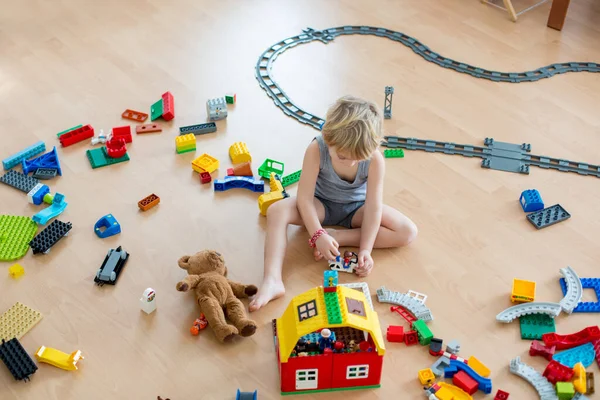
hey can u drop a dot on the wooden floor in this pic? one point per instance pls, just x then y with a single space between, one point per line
71 62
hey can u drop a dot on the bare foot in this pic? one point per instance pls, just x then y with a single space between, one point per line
269 290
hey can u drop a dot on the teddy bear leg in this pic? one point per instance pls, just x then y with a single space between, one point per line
213 312
234 309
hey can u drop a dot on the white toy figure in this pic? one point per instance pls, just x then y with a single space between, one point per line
101 138
344 264
148 301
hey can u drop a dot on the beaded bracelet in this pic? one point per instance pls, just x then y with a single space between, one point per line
312 242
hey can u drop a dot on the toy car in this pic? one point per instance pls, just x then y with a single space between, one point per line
111 267
344 264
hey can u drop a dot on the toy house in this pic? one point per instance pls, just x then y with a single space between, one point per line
329 338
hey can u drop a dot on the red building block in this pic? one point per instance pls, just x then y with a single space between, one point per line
395 334
404 314
122 132
562 342
115 147
501 395
465 382
539 349
168 106
556 372
76 136
411 338
205 177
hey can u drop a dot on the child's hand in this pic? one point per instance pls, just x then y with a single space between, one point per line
328 247
365 263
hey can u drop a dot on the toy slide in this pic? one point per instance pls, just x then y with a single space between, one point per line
58 359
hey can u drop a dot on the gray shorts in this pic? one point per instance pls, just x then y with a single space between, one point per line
339 214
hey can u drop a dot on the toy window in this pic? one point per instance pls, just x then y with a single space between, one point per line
357 372
307 310
307 379
356 307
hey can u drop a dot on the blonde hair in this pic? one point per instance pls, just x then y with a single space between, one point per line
353 125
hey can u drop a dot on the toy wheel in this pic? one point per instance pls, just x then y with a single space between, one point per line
123 255
47 251
332 266
113 276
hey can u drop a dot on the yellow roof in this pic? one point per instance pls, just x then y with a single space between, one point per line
290 328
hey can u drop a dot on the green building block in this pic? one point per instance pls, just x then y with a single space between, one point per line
156 111
332 306
270 166
423 332
68 130
98 158
533 326
565 390
291 178
185 149
15 235
393 153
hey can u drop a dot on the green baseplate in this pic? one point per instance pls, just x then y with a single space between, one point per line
98 158
332 390
15 235
533 326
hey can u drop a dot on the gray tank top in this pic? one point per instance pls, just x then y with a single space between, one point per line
333 188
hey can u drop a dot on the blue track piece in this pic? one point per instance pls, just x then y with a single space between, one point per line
485 385
58 206
111 225
586 306
531 200
29 152
242 182
584 354
48 160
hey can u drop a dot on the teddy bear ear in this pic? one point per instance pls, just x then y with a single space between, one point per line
184 262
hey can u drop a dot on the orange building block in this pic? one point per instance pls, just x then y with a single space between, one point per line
244 169
147 128
148 202
134 115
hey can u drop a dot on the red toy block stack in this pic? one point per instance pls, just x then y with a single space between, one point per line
168 106
395 334
465 382
76 136
411 338
122 132
563 342
205 177
501 395
539 349
556 372
115 147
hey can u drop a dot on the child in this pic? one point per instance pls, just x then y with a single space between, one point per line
341 184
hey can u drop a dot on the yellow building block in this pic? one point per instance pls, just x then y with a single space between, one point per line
451 392
426 376
239 153
184 141
277 193
16 271
58 359
205 163
579 380
522 291
17 321
479 367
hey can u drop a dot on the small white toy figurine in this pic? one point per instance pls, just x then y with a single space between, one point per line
148 301
344 264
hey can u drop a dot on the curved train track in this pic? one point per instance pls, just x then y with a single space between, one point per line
266 59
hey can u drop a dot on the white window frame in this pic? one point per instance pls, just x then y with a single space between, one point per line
355 369
308 383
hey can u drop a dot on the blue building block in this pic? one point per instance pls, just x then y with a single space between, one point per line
36 195
315 336
531 200
48 160
58 206
242 182
330 279
584 354
111 225
246 395
485 385
586 306
29 152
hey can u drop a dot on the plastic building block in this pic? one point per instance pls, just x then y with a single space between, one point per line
534 326
238 152
387 107
16 359
277 193
15 234
347 263
230 98
395 334
465 382
115 147
556 372
420 297
531 200
185 143
59 134
107 226
440 365
538 348
419 310
156 110
589 383
332 307
111 268
76 136
98 158
544 388
269 166
586 306
522 291
484 384
199 129
562 342
37 193
583 354
58 206
411 337
19 181
16 271
548 216
246 395
243 182
123 132
423 332
49 236
435 346
330 279
501 395
45 173
148 202
291 178
58 359
216 109
509 315
393 153
426 376
147 128
168 106
136 116
565 390
572 289
29 152
205 177
596 344
478 367
404 313
49 160
244 169
148 301
17 321
453 347
579 381
205 163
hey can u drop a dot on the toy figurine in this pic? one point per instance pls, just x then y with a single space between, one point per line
338 347
148 301
199 324
344 264
301 346
325 341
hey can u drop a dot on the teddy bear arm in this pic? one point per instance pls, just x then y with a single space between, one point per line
189 282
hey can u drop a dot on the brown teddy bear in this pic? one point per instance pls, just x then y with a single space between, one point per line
217 296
